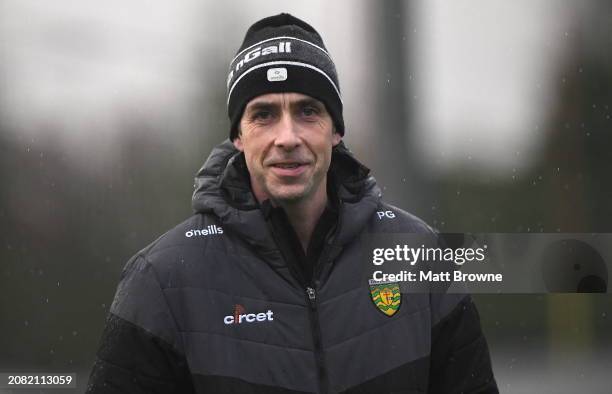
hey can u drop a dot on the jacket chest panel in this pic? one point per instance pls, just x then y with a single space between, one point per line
239 318
354 328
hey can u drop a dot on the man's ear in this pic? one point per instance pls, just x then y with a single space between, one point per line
336 138
238 144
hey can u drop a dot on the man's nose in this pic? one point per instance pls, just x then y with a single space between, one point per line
287 136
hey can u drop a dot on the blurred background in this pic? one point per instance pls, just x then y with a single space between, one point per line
478 116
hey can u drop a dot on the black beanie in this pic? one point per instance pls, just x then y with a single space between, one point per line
282 53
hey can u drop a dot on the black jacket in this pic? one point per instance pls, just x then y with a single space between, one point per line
213 305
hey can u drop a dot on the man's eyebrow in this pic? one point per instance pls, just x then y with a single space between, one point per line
309 102
259 105
269 105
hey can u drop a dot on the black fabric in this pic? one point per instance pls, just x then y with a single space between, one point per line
405 379
267 27
226 385
131 360
291 247
288 241
223 262
460 361
282 53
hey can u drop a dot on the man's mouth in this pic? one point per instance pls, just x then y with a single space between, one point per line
289 169
287 165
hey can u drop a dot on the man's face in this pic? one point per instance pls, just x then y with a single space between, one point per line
287 140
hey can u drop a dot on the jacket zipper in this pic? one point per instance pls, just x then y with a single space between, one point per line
315 328
311 300
311 295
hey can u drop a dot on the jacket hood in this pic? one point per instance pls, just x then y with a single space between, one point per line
223 188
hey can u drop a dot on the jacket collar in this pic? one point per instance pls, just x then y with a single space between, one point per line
222 187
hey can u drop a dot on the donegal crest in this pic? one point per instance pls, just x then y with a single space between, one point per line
386 296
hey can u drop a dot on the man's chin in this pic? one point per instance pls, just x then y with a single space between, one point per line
288 194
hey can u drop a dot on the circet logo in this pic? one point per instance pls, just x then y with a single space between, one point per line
213 229
239 316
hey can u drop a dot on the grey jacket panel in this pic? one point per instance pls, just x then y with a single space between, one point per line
258 362
140 300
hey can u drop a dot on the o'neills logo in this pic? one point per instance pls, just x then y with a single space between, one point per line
213 229
282 47
239 316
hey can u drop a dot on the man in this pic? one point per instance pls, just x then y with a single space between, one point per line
261 290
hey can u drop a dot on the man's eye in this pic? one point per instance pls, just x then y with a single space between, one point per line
262 115
310 111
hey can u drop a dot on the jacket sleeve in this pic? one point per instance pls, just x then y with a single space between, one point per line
141 350
460 361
